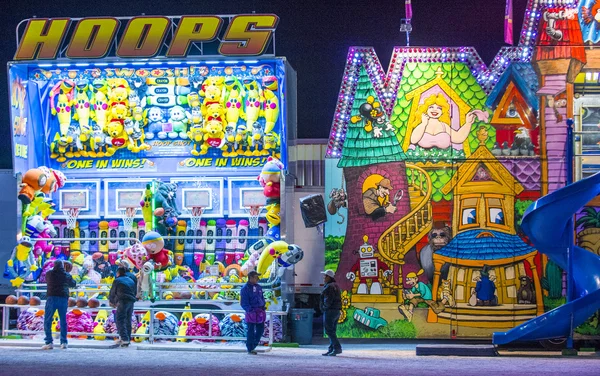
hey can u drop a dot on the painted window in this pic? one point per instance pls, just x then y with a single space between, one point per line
469 212
495 212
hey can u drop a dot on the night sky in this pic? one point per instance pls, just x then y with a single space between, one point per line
313 35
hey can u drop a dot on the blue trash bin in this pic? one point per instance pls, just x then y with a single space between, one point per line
302 325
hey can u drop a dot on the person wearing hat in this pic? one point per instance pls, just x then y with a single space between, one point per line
373 207
331 306
253 302
58 281
485 288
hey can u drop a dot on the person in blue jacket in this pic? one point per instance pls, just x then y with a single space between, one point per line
253 302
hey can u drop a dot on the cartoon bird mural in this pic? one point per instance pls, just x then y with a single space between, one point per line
99 322
271 105
592 14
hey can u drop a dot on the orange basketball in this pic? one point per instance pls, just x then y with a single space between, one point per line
81 302
23 300
93 303
72 302
11 299
35 301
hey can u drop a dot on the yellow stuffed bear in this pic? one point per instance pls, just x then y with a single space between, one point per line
196 135
117 134
118 111
213 135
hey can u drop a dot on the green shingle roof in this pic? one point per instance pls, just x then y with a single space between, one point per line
362 148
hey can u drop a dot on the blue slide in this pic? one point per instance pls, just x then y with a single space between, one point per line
546 222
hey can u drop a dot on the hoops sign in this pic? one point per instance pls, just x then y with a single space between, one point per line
144 37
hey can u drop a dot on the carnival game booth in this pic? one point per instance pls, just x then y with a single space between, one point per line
173 165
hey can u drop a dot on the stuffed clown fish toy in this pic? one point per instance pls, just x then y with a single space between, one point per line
200 327
234 325
79 321
110 325
31 319
165 323
277 328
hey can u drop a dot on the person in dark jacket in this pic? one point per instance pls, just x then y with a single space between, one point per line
128 272
331 306
123 296
58 282
253 302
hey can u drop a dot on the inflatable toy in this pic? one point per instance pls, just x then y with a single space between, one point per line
154 244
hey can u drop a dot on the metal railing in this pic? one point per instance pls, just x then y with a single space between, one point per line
150 332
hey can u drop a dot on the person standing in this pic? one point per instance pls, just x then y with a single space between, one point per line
331 306
58 282
253 302
123 296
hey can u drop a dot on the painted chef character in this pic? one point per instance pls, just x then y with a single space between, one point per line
367 268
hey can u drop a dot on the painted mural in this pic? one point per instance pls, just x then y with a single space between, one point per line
430 169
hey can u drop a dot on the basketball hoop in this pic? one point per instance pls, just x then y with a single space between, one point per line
196 216
253 214
128 215
71 214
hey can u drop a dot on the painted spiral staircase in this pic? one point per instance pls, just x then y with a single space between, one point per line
397 240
